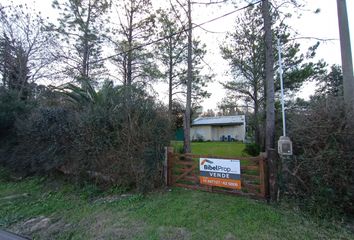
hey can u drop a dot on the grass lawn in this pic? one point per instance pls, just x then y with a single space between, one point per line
214 148
47 209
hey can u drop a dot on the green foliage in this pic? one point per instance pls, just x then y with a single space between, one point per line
172 53
331 83
52 131
252 149
89 191
80 28
244 49
11 106
115 136
136 65
5 175
322 170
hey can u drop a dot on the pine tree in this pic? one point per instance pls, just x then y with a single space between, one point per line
136 28
81 28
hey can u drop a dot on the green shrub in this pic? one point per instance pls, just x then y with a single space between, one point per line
11 106
116 138
45 140
252 149
322 170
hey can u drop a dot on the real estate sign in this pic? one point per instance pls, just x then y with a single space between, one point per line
220 172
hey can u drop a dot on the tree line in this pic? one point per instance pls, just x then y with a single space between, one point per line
57 93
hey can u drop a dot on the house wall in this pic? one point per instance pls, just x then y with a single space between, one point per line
204 131
236 132
214 133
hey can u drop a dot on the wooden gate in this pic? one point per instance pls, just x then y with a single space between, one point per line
182 170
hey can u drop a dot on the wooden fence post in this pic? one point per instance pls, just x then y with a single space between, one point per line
168 165
263 175
165 167
272 161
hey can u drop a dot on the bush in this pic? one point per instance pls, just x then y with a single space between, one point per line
11 106
321 174
252 149
45 140
116 139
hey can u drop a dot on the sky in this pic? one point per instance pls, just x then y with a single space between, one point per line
321 25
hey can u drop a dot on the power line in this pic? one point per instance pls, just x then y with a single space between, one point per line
209 3
176 33
314 38
209 31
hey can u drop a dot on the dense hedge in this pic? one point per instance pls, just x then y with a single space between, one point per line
118 138
321 175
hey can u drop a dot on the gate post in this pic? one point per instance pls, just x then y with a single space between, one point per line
263 175
272 161
165 167
168 165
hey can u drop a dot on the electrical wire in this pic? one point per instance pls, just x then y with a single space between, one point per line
176 33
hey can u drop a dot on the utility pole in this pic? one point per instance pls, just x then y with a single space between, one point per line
187 115
347 63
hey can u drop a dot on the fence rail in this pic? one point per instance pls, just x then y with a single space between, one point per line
182 170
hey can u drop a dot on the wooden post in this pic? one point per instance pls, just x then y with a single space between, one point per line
272 162
262 176
169 165
165 166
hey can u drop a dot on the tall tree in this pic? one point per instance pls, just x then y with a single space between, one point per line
26 48
171 52
244 49
187 115
228 106
81 26
136 28
269 76
245 53
331 83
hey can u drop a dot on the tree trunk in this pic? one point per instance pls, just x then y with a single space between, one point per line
256 121
85 59
187 116
270 115
84 72
269 63
130 46
347 63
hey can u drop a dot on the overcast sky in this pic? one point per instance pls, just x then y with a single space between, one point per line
321 25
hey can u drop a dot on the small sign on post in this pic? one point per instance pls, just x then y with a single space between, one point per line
220 172
285 146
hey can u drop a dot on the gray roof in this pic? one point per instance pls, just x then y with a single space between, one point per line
220 120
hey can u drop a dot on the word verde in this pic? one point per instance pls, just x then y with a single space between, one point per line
217 168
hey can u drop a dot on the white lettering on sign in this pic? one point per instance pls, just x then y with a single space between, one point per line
219 175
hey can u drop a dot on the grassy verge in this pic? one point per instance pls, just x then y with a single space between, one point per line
214 148
86 213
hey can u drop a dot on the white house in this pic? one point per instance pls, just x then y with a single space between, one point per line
221 128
